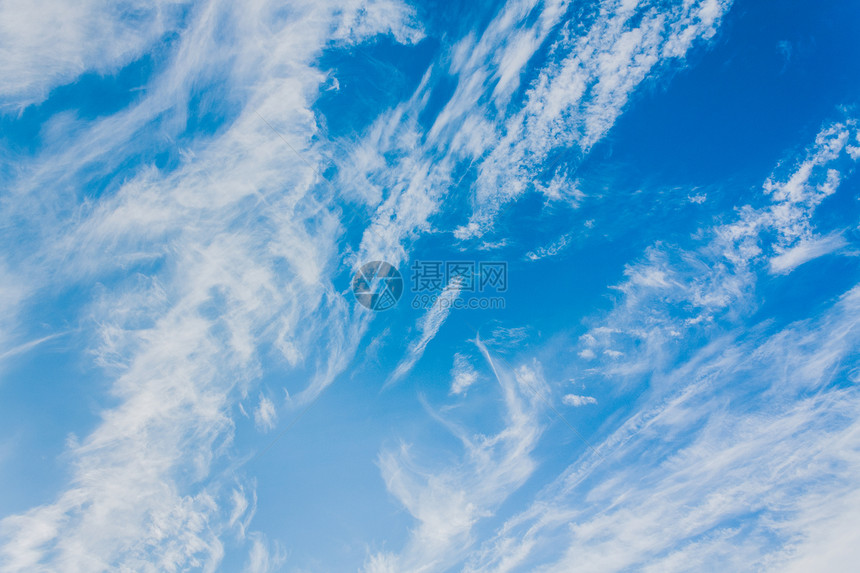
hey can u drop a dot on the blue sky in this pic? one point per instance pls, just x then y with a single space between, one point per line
670 383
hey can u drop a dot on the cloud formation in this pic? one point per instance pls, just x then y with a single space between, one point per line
201 264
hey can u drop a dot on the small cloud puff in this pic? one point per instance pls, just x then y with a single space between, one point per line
265 416
576 400
463 374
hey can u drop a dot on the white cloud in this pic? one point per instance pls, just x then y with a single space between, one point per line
262 558
551 250
190 289
429 326
805 251
13 291
265 416
712 282
27 346
752 447
576 400
46 43
715 282
463 374
825 539
578 95
725 486
447 504
577 99
184 344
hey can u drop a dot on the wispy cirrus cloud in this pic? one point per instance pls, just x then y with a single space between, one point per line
724 485
716 284
573 102
202 263
262 558
577 98
234 246
45 44
428 326
495 149
806 250
748 431
447 504
747 435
